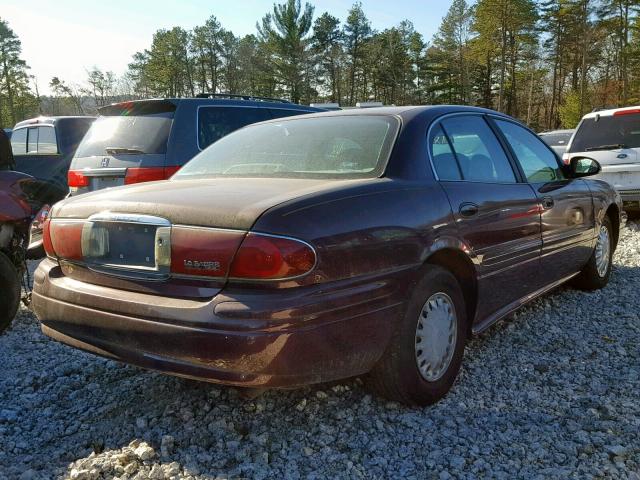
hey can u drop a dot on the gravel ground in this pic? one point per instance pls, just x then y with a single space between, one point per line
551 392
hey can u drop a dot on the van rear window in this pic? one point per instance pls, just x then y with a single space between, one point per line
607 131
126 135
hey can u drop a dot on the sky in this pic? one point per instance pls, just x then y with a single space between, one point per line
65 38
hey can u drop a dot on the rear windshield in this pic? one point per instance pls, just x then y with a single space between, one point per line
319 147
556 139
127 135
609 131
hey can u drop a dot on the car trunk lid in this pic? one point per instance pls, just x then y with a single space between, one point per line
122 232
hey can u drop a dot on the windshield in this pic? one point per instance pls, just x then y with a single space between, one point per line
607 132
319 147
126 135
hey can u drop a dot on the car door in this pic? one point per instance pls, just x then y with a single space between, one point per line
497 215
568 220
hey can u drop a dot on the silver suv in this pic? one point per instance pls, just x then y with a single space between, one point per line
612 137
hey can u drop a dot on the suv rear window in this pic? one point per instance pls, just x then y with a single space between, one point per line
316 147
621 130
127 135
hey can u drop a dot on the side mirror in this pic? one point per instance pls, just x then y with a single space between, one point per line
584 167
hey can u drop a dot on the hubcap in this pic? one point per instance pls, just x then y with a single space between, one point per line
436 334
603 247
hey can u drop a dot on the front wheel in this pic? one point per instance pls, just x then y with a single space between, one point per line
596 272
424 356
9 291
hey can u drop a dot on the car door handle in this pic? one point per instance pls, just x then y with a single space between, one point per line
547 203
469 209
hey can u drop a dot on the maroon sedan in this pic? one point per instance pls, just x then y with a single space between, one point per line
320 247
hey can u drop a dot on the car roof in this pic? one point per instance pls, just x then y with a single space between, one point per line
226 101
611 111
49 120
406 113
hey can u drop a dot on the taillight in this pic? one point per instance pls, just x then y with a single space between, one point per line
148 174
63 239
46 238
267 257
77 178
629 111
203 252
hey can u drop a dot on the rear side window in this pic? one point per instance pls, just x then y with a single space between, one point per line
479 154
538 162
32 140
19 141
217 122
622 131
121 135
47 143
444 160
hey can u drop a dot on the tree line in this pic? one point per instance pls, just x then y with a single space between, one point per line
545 62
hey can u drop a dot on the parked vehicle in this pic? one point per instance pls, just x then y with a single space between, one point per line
20 207
612 137
43 148
557 139
146 140
310 249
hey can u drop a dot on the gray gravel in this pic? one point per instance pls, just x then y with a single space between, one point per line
551 392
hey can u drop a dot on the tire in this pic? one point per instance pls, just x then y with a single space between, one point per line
591 277
9 291
397 376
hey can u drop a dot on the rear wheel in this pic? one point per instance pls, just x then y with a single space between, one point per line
597 271
424 356
9 291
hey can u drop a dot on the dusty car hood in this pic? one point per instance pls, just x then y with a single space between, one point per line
220 202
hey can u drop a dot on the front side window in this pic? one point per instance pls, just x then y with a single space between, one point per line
355 146
217 122
47 143
477 150
19 141
538 162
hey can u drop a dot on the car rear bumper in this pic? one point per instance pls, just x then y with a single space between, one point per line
282 338
630 199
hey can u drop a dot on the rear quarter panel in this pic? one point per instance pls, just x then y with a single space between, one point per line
383 227
604 196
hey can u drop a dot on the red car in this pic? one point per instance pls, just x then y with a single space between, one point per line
319 247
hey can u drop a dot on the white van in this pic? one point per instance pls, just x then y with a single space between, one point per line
612 137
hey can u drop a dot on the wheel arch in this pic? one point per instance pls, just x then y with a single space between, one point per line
613 212
461 267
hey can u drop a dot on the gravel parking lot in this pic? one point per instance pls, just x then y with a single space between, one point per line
552 392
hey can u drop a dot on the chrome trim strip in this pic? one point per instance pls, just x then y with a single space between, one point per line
129 218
